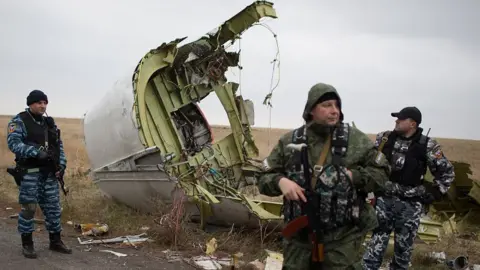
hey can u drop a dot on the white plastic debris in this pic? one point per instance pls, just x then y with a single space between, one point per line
439 256
211 263
274 260
118 254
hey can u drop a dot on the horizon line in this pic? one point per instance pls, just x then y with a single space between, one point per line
252 127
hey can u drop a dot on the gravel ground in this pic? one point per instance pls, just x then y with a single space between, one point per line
12 258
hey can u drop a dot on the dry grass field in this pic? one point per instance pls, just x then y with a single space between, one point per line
86 204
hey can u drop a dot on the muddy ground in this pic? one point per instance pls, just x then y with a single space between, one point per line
146 257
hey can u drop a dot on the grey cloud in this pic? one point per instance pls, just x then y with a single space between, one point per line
381 55
444 19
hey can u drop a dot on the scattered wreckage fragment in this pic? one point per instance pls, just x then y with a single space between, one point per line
128 239
459 210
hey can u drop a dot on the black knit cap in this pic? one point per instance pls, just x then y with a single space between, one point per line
36 96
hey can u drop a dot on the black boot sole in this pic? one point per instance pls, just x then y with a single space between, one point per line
30 256
61 250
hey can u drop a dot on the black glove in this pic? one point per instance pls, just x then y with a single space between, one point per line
428 198
42 155
437 195
434 193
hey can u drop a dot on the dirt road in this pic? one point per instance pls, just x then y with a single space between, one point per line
12 258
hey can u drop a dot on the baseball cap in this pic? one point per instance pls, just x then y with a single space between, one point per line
409 112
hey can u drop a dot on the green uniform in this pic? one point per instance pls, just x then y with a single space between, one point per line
342 245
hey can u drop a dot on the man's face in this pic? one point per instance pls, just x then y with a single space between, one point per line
38 107
404 125
326 113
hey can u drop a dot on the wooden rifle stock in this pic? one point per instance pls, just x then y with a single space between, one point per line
294 226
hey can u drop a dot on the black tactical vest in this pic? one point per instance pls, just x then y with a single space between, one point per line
409 165
42 136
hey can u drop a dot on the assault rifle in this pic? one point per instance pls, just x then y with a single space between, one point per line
62 182
53 160
310 218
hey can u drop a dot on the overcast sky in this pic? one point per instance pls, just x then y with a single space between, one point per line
380 55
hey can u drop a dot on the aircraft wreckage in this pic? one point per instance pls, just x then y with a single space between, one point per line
148 138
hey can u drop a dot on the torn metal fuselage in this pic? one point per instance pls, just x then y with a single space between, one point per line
158 144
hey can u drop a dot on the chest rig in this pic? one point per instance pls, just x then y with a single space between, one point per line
408 158
330 191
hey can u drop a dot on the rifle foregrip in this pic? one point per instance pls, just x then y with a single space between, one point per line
321 252
294 226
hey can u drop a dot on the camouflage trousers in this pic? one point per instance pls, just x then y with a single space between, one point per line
37 188
401 216
346 255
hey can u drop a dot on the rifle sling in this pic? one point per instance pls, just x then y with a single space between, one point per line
321 160
382 144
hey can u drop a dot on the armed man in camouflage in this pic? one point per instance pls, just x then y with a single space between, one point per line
400 207
39 156
342 162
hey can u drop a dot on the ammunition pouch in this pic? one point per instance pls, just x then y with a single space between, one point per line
17 174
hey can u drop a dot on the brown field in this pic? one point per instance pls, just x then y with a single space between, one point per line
85 203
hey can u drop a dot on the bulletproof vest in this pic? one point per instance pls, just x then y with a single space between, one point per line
42 136
336 196
408 158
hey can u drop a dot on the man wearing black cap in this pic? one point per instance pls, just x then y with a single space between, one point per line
341 162
399 208
40 159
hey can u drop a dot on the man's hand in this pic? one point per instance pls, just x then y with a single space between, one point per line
42 155
291 190
434 193
60 173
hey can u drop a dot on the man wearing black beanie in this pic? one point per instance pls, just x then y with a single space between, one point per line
40 160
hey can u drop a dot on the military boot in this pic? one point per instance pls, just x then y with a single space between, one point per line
56 244
27 244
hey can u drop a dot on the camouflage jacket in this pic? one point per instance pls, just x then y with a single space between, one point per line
440 167
16 134
368 176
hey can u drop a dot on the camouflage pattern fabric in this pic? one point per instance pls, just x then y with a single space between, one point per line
36 188
402 217
341 244
440 167
400 208
16 137
339 255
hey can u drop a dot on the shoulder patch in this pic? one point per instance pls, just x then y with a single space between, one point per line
12 127
439 153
